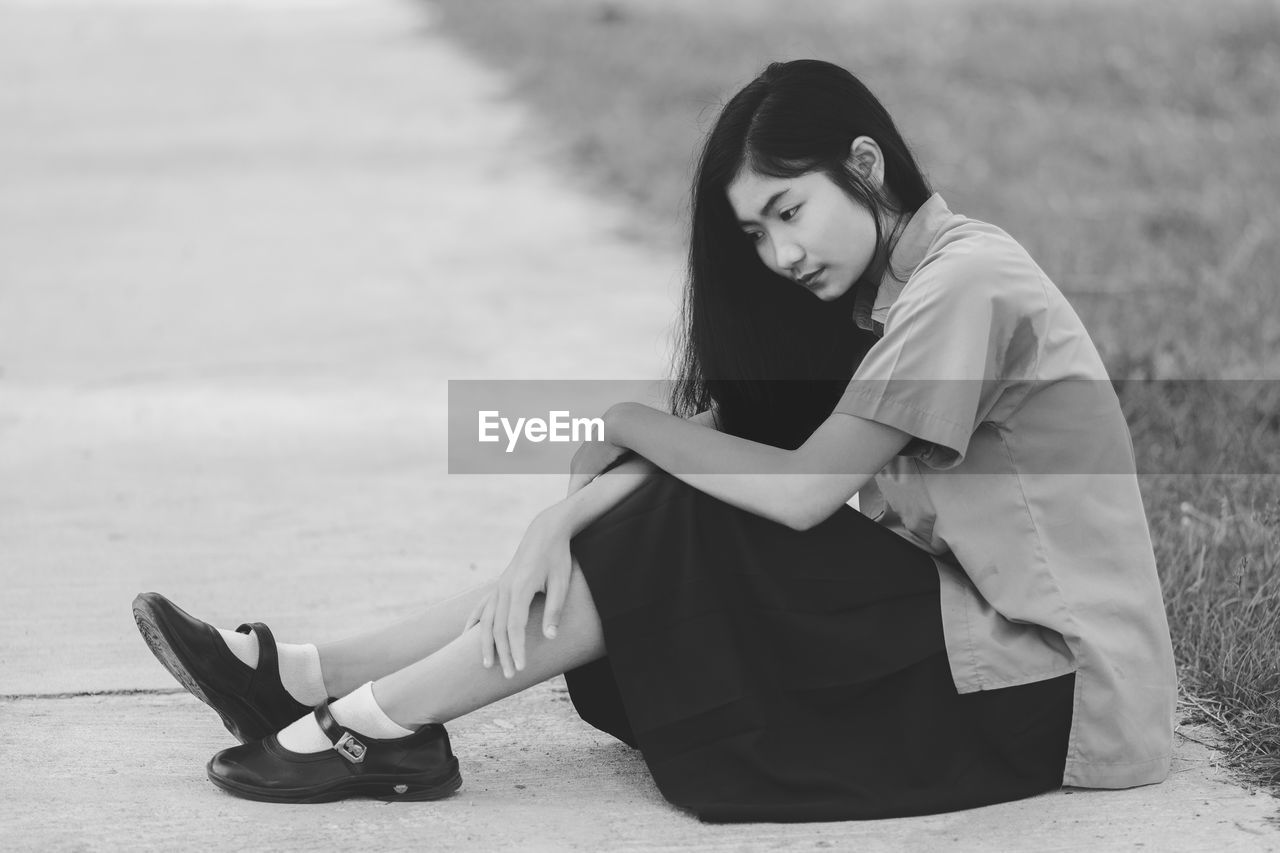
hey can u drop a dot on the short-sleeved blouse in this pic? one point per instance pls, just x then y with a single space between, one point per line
1020 480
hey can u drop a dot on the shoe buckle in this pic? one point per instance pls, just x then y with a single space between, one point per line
350 748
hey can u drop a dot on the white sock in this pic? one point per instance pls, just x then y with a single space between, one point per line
243 646
358 711
299 665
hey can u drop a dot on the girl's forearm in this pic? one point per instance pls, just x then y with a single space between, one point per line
602 494
756 477
605 492
799 488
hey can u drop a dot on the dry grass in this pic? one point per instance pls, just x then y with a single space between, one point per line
1223 597
1130 146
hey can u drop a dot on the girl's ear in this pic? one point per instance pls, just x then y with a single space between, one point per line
865 157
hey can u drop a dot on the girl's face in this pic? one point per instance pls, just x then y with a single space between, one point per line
806 229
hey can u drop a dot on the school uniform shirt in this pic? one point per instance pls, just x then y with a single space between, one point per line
1020 479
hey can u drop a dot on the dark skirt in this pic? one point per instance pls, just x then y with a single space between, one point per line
768 674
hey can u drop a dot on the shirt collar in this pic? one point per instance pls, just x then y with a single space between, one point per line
871 305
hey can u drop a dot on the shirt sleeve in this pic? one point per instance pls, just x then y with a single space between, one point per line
933 374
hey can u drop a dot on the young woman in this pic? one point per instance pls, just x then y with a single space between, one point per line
997 631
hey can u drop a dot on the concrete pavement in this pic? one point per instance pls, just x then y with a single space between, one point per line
242 248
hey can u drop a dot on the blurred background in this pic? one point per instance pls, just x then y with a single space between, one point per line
1128 145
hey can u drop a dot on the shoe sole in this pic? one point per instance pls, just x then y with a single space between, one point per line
388 788
152 628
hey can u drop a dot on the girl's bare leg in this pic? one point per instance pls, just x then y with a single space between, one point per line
348 663
452 681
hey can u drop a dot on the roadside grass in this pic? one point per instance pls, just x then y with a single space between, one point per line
1130 146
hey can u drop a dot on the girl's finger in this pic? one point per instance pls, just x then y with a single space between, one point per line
517 619
499 631
557 592
486 632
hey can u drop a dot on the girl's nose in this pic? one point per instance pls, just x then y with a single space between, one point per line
788 255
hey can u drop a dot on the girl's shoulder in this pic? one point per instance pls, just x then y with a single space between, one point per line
971 264
976 254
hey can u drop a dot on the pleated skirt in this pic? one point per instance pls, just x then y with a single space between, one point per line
769 674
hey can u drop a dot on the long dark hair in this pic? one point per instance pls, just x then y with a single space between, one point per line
771 356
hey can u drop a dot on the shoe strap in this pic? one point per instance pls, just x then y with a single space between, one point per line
268 660
344 741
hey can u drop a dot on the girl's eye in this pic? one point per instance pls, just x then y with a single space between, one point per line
789 214
754 236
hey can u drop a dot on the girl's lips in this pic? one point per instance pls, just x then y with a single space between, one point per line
811 279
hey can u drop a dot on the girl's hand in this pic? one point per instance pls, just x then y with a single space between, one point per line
542 563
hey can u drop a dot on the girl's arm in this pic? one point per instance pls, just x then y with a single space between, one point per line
542 561
593 500
602 494
799 488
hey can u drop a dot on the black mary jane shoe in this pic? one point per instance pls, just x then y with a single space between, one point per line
251 702
418 767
